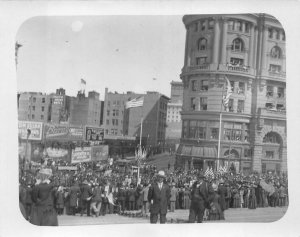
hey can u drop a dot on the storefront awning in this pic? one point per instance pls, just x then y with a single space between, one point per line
197 151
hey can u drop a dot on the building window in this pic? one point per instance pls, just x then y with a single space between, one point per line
201 133
34 99
237 45
43 100
185 129
275 68
269 154
263 168
32 116
280 92
204 85
211 25
195 27
201 60
33 108
202 44
247 152
106 131
247 27
236 61
241 104
107 121
233 131
214 133
230 105
42 117
108 103
192 129
194 85
283 36
108 112
203 25
241 89
269 106
230 25
238 26
115 122
270 91
203 103
277 34
280 107
270 33
276 52
271 137
193 103
43 108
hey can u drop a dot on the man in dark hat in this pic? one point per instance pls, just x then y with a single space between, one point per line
86 195
201 197
159 199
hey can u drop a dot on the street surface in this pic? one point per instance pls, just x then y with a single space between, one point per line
232 215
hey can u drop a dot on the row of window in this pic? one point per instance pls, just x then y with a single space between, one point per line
114 122
113 131
33 108
271 93
197 129
238 25
115 103
33 116
200 104
115 112
275 34
34 100
203 25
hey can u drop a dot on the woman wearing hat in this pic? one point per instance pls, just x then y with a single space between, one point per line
159 199
44 213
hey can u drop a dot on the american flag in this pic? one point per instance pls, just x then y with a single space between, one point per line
228 93
209 172
136 102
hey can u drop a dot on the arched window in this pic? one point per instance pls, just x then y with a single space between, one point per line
233 154
276 52
272 137
202 44
237 45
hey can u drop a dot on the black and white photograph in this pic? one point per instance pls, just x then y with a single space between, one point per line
128 120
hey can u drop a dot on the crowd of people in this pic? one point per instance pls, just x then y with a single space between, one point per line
95 189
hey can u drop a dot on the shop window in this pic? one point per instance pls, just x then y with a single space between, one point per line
204 85
280 92
203 103
194 85
276 52
237 45
270 91
241 104
202 44
201 60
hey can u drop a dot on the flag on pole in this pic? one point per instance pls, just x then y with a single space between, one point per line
228 93
136 102
83 81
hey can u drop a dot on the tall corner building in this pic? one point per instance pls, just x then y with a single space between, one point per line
249 50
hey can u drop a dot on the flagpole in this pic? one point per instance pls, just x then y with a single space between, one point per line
220 127
140 149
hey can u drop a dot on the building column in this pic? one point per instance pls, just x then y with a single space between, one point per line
256 159
284 160
264 48
216 41
255 47
251 47
224 41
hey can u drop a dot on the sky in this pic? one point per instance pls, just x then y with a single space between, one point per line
122 53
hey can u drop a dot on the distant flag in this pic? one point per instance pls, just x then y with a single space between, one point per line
228 93
207 172
136 102
83 81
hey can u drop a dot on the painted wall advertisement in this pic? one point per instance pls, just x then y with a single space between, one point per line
81 154
94 134
36 129
63 132
100 152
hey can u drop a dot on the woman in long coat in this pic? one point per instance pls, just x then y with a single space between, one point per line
236 198
186 198
44 213
215 212
60 200
74 197
252 198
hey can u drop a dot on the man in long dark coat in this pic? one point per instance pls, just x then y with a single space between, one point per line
159 199
202 195
74 194
86 194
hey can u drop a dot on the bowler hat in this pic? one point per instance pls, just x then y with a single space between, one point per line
161 173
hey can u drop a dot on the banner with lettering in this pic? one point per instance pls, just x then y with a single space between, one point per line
94 134
100 152
81 154
63 132
36 130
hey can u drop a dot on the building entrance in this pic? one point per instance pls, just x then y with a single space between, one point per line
198 164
